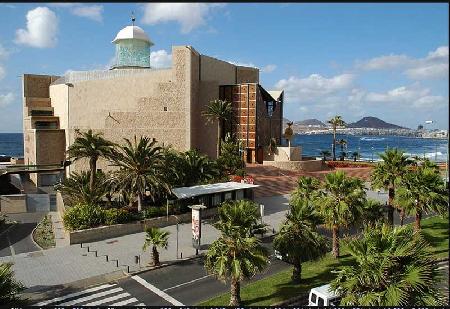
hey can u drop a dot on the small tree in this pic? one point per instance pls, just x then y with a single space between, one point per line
230 160
343 144
394 267
298 237
91 146
355 156
340 203
372 213
307 189
220 111
156 238
325 154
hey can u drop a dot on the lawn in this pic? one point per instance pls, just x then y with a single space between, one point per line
279 287
43 235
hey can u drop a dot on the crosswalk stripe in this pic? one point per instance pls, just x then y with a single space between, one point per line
107 300
125 302
101 287
141 304
157 291
83 299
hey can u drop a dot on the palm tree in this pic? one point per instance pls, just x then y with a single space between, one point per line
156 238
307 189
298 237
335 122
325 154
236 255
9 287
141 168
91 146
422 191
219 111
394 267
340 203
197 168
372 213
343 143
77 188
355 155
385 174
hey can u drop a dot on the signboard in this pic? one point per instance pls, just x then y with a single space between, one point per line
196 228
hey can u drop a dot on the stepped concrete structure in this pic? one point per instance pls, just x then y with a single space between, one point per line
132 98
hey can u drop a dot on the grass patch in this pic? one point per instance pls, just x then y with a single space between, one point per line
43 235
279 287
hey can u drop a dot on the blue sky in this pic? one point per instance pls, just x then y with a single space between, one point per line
385 60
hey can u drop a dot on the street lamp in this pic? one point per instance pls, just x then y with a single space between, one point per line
435 146
372 153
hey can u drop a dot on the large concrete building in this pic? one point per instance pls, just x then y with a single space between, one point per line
134 99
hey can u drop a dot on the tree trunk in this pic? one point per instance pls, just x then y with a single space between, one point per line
336 241
93 167
139 196
402 216
418 218
235 297
155 256
390 207
297 271
219 136
334 144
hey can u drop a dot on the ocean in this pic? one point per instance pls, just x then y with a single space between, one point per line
11 144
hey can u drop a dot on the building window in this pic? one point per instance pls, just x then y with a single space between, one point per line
165 108
228 196
216 199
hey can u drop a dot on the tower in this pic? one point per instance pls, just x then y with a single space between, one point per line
132 48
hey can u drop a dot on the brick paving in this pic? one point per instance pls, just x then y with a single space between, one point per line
275 181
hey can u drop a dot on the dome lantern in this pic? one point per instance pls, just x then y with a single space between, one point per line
132 47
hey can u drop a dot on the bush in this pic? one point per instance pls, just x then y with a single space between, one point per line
117 216
334 164
85 216
155 211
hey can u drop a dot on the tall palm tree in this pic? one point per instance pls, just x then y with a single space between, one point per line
141 168
298 237
335 122
340 203
236 255
422 191
384 175
394 267
9 286
307 189
91 146
156 238
219 111
197 168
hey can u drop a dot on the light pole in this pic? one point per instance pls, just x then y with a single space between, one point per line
435 146
372 153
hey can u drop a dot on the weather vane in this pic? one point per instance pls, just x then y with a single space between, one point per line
133 19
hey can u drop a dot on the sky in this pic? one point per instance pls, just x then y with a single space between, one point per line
389 61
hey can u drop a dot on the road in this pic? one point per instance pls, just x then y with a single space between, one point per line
184 283
18 238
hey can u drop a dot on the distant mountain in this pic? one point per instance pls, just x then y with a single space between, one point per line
310 122
373 122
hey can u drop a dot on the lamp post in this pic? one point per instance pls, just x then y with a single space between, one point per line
372 153
435 146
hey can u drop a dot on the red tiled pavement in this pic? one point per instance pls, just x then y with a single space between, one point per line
275 181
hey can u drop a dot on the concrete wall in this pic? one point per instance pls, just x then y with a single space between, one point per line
14 203
288 154
306 166
106 232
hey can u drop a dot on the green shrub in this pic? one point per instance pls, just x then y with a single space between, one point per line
83 216
117 216
154 211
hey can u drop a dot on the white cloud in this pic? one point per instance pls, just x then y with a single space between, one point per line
2 72
314 86
269 68
93 12
6 99
188 15
433 66
42 28
160 59
4 53
244 64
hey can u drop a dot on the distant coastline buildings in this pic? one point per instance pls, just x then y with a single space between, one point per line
133 99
